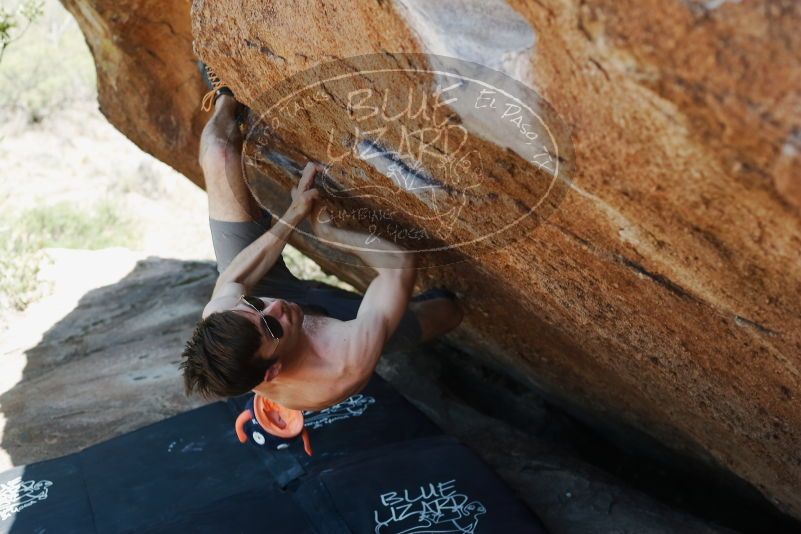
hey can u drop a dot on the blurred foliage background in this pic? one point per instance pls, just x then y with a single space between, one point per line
45 63
44 66
68 178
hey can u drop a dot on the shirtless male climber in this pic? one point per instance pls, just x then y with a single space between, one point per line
302 344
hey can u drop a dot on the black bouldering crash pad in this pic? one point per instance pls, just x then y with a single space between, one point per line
379 466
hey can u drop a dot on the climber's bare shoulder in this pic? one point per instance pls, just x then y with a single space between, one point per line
357 344
322 378
362 341
342 355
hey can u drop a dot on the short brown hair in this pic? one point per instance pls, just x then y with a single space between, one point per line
221 360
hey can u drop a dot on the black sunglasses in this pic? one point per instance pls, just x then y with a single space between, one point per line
271 323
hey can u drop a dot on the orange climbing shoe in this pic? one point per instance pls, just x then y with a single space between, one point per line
216 88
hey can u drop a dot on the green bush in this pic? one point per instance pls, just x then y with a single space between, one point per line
48 67
14 24
61 225
65 225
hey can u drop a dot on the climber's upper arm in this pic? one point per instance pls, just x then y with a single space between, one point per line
384 303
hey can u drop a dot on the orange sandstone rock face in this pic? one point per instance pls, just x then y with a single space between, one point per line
659 286
148 83
665 289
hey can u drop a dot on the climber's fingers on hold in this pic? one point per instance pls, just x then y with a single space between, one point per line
307 178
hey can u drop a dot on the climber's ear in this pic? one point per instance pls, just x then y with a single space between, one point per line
272 372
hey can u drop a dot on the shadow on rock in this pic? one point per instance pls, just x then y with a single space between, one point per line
110 365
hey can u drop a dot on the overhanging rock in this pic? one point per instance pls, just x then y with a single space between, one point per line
660 287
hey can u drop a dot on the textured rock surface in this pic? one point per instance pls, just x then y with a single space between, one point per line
664 291
148 81
109 366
